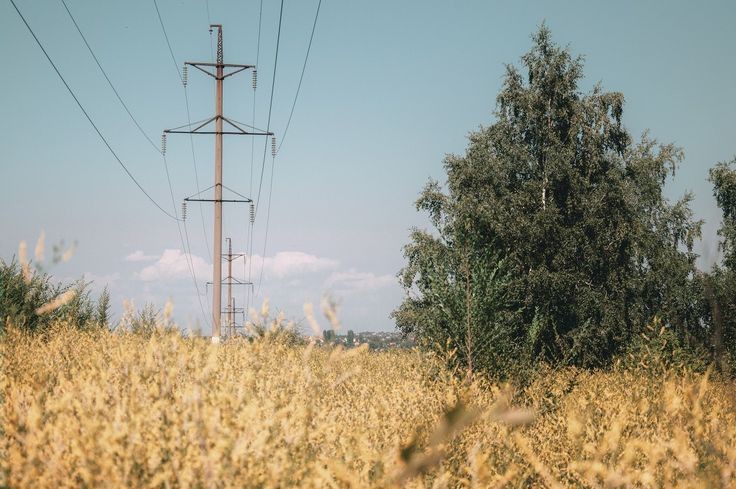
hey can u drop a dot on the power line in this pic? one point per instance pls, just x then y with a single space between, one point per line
301 77
190 262
258 56
268 220
187 247
188 258
171 51
189 119
252 159
81 107
109 82
196 174
270 104
263 164
283 137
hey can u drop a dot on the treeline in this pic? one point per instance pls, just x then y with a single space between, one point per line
24 292
31 301
553 242
376 340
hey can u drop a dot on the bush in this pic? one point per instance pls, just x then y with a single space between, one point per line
30 301
659 349
264 328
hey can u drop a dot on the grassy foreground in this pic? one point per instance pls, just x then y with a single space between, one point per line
115 410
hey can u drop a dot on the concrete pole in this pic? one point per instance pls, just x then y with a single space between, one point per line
217 248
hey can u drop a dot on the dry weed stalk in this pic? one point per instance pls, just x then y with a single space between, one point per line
121 410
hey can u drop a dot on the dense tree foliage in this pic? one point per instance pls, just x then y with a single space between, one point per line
719 286
21 294
24 291
723 178
553 240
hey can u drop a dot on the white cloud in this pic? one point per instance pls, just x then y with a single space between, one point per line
354 280
290 263
138 255
101 280
172 265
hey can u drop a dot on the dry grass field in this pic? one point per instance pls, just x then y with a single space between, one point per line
101 409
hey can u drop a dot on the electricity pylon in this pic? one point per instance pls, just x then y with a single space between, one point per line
230 281
234 129
231 310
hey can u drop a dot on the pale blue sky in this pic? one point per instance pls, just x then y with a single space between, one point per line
391 87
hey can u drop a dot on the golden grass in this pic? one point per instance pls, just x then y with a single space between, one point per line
96 409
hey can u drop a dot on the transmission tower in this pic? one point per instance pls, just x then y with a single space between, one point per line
230 281
222 71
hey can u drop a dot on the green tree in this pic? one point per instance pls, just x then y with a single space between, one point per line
80 310
723 178
328 335
21 295
553 238
719 286
351 337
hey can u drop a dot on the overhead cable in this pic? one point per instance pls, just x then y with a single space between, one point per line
301 77
81 107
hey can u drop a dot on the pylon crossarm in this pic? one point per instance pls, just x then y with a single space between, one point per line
236 71
220 200
240 282
243 131
232 257
196 65
238 68
196 130
227 133
194 198
232 283
240 129
224 65
214 118
233 191
243 124
201 192
177 129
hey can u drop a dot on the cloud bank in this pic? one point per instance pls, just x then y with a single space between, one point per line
290 263
352 280
172 265
138 255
